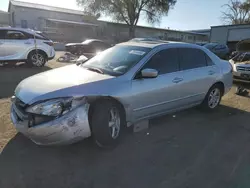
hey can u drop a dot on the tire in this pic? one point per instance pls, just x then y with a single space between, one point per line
104 135
210 103
32 59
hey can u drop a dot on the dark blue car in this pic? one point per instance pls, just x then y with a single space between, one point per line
221 50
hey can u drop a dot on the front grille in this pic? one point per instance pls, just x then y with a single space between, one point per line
19 103
19 108
240 68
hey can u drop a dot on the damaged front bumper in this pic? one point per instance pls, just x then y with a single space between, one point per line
69 128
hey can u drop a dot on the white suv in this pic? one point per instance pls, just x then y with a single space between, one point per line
26 45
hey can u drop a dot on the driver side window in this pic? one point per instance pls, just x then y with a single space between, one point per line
165 61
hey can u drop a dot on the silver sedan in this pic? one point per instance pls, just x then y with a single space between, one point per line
117 88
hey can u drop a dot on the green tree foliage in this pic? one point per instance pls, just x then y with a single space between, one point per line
129 11
236 12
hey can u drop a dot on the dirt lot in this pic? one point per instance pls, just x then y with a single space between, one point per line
191 149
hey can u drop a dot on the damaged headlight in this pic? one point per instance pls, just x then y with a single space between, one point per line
56 107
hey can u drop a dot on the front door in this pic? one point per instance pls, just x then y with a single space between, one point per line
15 44
153 96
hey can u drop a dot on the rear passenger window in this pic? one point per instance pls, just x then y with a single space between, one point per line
165 61
191 58
2 34
15 35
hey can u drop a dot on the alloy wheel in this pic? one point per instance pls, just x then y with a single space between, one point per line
114 123
214 98
37 59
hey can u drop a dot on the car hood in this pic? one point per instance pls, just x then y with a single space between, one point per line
244 64
61 82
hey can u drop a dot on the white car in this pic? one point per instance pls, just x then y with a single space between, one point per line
17 45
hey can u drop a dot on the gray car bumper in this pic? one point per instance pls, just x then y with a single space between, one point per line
69 128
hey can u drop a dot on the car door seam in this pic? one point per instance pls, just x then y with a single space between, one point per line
165 102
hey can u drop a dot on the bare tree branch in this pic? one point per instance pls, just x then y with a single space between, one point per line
129 11
236 12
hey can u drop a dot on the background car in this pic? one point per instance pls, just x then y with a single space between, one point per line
201 43
147 39
25 45
221 50
88 48
119 87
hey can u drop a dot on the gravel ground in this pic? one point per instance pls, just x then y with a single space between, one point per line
190 149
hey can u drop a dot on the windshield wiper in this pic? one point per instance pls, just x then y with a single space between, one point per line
94 69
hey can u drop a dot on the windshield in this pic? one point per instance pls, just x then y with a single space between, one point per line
117 60
210 45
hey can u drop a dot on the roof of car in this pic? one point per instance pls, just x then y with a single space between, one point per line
93 40
153 44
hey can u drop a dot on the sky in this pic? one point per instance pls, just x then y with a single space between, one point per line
186 14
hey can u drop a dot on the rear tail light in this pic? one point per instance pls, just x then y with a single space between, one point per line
50 43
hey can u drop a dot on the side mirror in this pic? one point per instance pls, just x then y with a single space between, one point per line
149 73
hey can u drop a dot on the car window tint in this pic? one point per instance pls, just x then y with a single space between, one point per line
98 45
165 61
2 34
89 48
191 58
15 35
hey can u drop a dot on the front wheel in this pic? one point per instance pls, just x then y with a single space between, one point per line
107 123
36 59
213 98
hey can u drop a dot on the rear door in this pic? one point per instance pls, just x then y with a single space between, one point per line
16 44
198 72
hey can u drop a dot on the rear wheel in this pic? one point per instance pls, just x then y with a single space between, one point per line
107 123
213 98
37 59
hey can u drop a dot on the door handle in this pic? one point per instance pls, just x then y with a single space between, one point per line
211 72
27 43
177 80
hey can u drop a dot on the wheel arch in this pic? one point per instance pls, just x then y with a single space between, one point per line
221 85
94 100
39 51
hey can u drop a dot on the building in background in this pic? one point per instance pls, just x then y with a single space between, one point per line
4 19
120 32
230 34
59 24
66 25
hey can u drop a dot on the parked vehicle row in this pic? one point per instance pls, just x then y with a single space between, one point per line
25 45
117 88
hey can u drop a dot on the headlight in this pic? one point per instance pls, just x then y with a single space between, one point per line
55 107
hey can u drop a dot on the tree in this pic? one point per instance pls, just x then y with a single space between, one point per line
129 11
237 12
